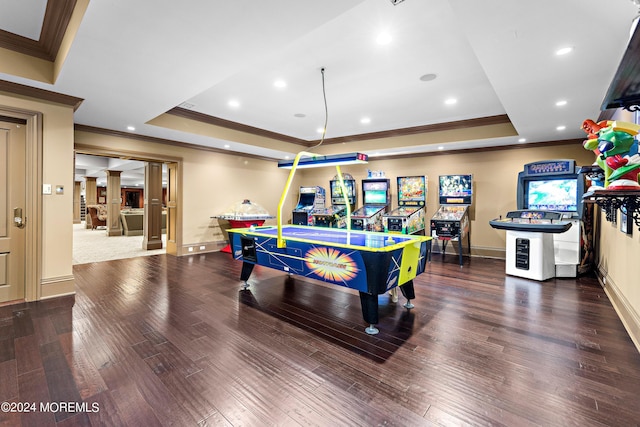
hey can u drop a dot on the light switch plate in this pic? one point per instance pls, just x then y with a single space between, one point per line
46 188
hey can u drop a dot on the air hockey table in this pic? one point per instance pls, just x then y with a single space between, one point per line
372 263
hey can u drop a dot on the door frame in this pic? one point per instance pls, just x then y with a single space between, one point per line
33 199
174 220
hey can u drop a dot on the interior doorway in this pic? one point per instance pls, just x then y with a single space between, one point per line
132 190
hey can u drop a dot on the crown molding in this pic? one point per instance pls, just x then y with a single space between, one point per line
152 139
56 20
438 127
42 94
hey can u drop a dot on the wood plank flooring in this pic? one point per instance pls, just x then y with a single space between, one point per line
165 341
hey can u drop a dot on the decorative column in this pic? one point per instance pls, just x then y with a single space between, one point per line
152 230
77 189
114 199
91 194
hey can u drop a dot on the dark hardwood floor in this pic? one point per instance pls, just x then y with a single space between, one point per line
161 340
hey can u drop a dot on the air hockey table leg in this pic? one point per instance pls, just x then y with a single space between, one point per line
369 305
247 268
409 294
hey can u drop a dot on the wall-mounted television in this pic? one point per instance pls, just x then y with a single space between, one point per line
455 189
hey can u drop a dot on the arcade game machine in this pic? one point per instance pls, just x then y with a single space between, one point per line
408 217
242 215
376 197
310 200
451 221
548 191
334 216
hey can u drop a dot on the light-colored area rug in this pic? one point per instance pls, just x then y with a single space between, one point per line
95 246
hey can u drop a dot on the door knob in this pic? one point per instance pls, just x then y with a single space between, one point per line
18 220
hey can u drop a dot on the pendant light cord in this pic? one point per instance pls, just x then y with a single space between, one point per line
326 113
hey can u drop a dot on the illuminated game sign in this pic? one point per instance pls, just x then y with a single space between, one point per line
550 168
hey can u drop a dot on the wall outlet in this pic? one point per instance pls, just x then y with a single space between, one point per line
202 248
190 249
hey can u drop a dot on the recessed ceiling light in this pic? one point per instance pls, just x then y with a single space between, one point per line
287 157
299 115
131 128
564 50
561 103
383 39
522 140
450 101
440 147
561 127
280 83
226 146
365 120
320 130
428 77
234 103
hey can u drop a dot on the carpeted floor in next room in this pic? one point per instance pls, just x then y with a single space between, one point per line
95 246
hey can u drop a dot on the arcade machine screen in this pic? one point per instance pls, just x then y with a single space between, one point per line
306 199
335 215
411 190
336 191
375 197
455 189
552 194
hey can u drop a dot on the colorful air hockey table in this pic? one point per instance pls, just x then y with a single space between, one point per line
372 263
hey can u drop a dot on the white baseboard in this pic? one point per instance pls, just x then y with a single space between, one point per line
629 317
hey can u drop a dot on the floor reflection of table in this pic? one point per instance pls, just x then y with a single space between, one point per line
372 263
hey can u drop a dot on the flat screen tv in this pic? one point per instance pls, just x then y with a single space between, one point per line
559 195
455 189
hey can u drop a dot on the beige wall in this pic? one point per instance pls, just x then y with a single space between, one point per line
495 176
210 182
57 210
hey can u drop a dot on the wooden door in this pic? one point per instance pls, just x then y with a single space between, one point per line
13 220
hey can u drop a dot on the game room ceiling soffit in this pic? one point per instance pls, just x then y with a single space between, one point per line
35 36
471 131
